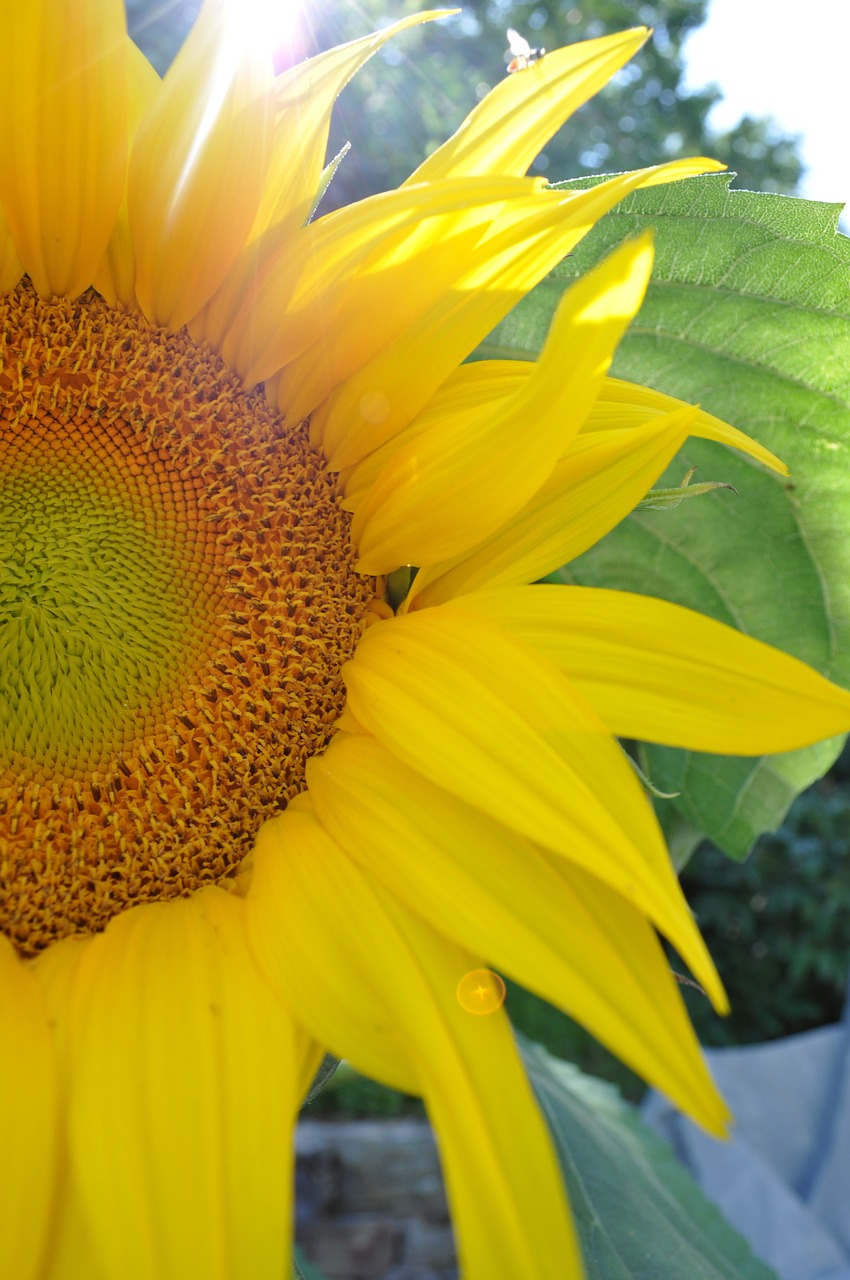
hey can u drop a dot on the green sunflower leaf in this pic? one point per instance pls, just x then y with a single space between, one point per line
748 314
638 1212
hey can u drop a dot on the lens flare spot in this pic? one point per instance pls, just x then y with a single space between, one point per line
481 991
374 407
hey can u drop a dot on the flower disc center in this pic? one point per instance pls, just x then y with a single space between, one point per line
95 624
177 598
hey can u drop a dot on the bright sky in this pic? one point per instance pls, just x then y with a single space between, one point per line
788 59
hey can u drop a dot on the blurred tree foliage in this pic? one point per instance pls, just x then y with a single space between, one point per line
414 93
778 925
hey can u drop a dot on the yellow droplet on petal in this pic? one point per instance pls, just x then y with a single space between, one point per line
481 991
374 406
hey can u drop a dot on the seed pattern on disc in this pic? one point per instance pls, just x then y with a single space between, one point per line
177 597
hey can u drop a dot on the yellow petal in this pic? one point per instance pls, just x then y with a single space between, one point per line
566 936
115 277
63 135
289 914
519 251
626 404
11 268
460 409
302 303
487 384
495 724
518 117
29 1136
71 1249
484 382
209 131
303 99
471 388
445 491
600 480
185 1070
661 673
372 980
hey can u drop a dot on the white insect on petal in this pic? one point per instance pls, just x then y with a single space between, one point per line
523 54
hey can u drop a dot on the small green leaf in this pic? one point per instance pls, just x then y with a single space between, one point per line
646 781
327 1070
328 174
748 314
669 499
638 1212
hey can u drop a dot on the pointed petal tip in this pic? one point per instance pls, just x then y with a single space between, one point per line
714 1116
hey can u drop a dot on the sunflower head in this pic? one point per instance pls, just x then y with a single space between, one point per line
238 826
178 597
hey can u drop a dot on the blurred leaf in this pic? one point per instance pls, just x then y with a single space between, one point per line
638 1212
748 313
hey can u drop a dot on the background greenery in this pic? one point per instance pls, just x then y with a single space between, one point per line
416 91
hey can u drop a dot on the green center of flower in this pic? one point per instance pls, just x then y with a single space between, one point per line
177 597
95 623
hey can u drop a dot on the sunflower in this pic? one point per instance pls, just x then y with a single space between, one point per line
249 811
